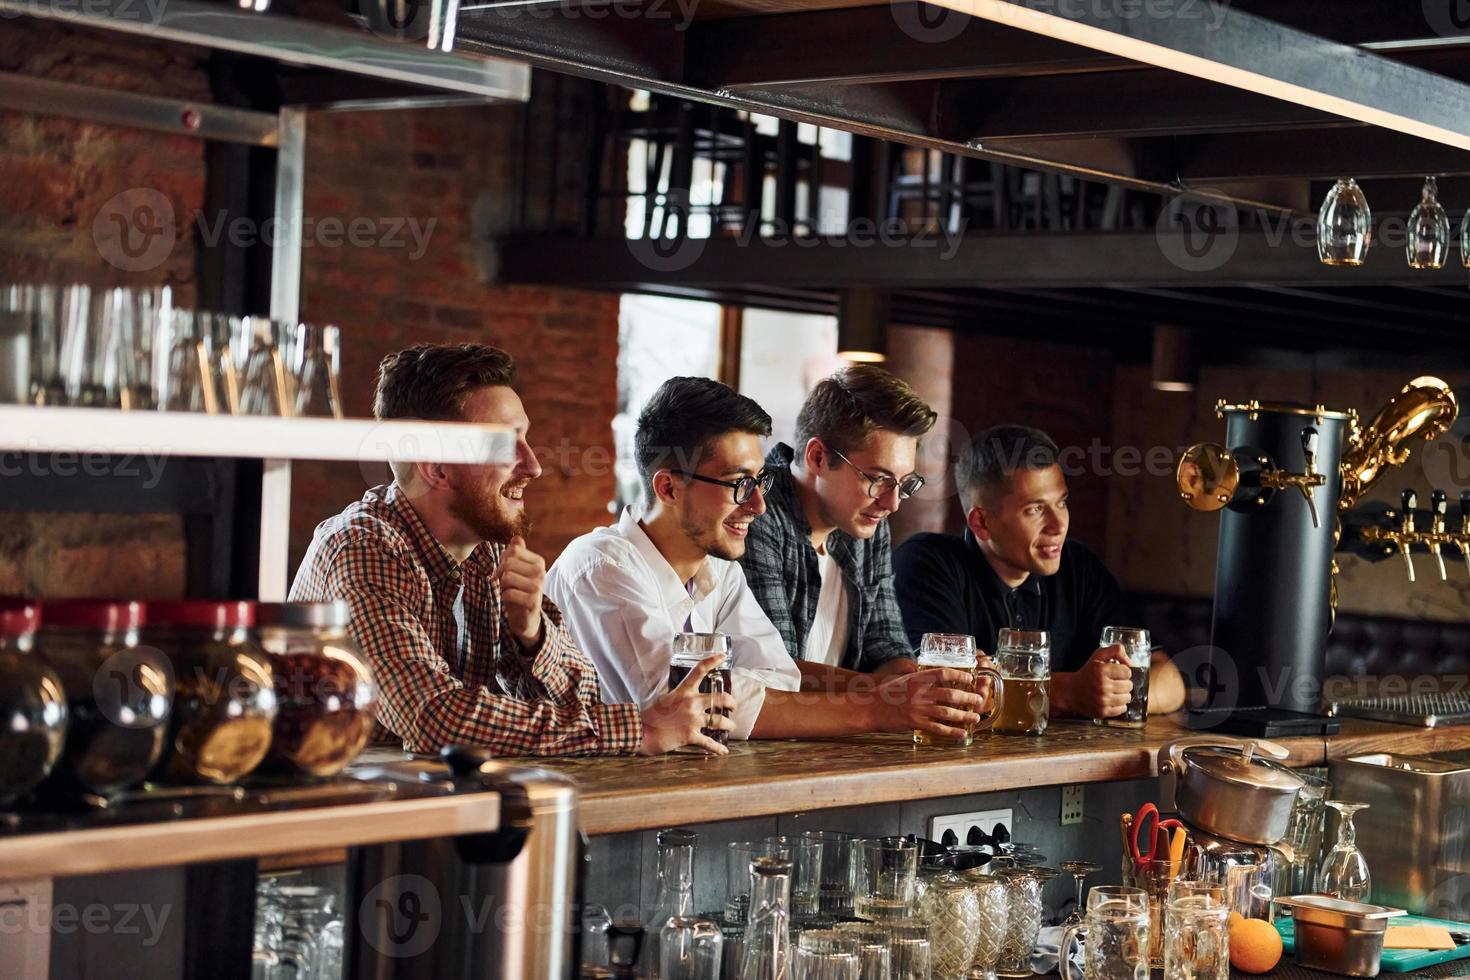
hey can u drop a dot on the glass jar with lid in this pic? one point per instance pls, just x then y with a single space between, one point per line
31 702
327 699
225 700
118 694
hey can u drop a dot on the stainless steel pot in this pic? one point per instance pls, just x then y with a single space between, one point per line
1223 787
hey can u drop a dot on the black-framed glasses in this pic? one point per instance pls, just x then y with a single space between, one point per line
880 486
744 488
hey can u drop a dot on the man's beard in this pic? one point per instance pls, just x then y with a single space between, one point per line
481 511
707 541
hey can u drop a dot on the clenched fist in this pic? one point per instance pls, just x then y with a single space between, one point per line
522 576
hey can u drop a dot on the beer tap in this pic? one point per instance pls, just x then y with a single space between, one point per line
1436 538
1403 537
1306 482
1463 538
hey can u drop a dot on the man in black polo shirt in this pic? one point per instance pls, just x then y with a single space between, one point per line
1014 567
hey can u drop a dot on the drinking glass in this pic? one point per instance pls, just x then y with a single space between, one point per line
1344 871
738 857
187 383
1117 927
956 651
88 346
952 908
41 304
990 896
1196 937
232 338
875 958
690 948
1079 870
1023 658
910 950
688 650
806 871
1304 837
269 387
316 361
1429 230
1344 225
1155 878
883 888
595 923
834 887
825 954
1136 646
18 314
141 356
1023 921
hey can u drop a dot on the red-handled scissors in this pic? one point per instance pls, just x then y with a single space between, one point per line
1147 811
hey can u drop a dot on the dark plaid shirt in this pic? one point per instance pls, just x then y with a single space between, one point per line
783 570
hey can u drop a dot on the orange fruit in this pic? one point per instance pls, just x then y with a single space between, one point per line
1255 945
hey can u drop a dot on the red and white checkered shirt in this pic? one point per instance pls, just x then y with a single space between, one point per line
447 666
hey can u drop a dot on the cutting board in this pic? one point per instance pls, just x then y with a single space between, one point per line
1397 960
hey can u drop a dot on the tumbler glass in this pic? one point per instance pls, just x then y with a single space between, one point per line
806 871
911 950
990 896
690 948
687 651
1117 927
18 314
875 958
834 889
269 387
738 857
883 888
1196 940
1136 646
951 906
316 364
1023 658
1023 921
825 954
595 923
188 383
1155 879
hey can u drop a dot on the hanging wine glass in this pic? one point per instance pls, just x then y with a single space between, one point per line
1429 230
1344 871
1465 241
1344 225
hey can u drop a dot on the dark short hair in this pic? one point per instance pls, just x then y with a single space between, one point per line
432 381
846 408
986 464
683 416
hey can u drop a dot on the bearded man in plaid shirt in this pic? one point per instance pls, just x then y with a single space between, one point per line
447 599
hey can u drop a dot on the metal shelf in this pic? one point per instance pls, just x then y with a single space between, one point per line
294 41
99 430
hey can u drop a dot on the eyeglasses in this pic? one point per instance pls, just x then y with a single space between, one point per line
744 487
880 486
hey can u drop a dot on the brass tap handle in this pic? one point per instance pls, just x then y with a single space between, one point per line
1465 527
1406 532
1438 504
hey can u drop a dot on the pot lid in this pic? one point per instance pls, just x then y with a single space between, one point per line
1231 765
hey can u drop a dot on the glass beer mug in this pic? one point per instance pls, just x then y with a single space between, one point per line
957 652
1117 926
689 650
1023 658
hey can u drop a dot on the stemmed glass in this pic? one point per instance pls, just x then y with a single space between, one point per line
1429 230
1344 871
1344 225
1079 870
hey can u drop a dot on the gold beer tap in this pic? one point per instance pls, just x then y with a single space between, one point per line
1436 537
1403 537
1306 482
1463 538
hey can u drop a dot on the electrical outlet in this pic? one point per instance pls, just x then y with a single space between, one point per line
1071 804
960 825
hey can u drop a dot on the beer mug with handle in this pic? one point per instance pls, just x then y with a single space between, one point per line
1117 928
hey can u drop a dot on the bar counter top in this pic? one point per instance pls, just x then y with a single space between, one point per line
766 778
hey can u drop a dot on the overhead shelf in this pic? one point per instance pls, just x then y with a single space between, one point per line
99 430
294 41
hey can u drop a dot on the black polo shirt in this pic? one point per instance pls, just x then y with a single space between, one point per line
945 585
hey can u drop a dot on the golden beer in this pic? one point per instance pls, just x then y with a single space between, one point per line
924 738
1024 707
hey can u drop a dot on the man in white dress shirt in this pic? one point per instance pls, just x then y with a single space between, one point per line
625 590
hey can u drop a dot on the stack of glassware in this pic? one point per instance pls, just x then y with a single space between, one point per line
132 349
298 933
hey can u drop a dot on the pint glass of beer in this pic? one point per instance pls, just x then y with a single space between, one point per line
1023 658
1135 643
689 650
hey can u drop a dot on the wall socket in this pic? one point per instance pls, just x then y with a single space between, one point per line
1071 804
960 825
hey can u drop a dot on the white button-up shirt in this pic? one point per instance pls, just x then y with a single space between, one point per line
623 602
